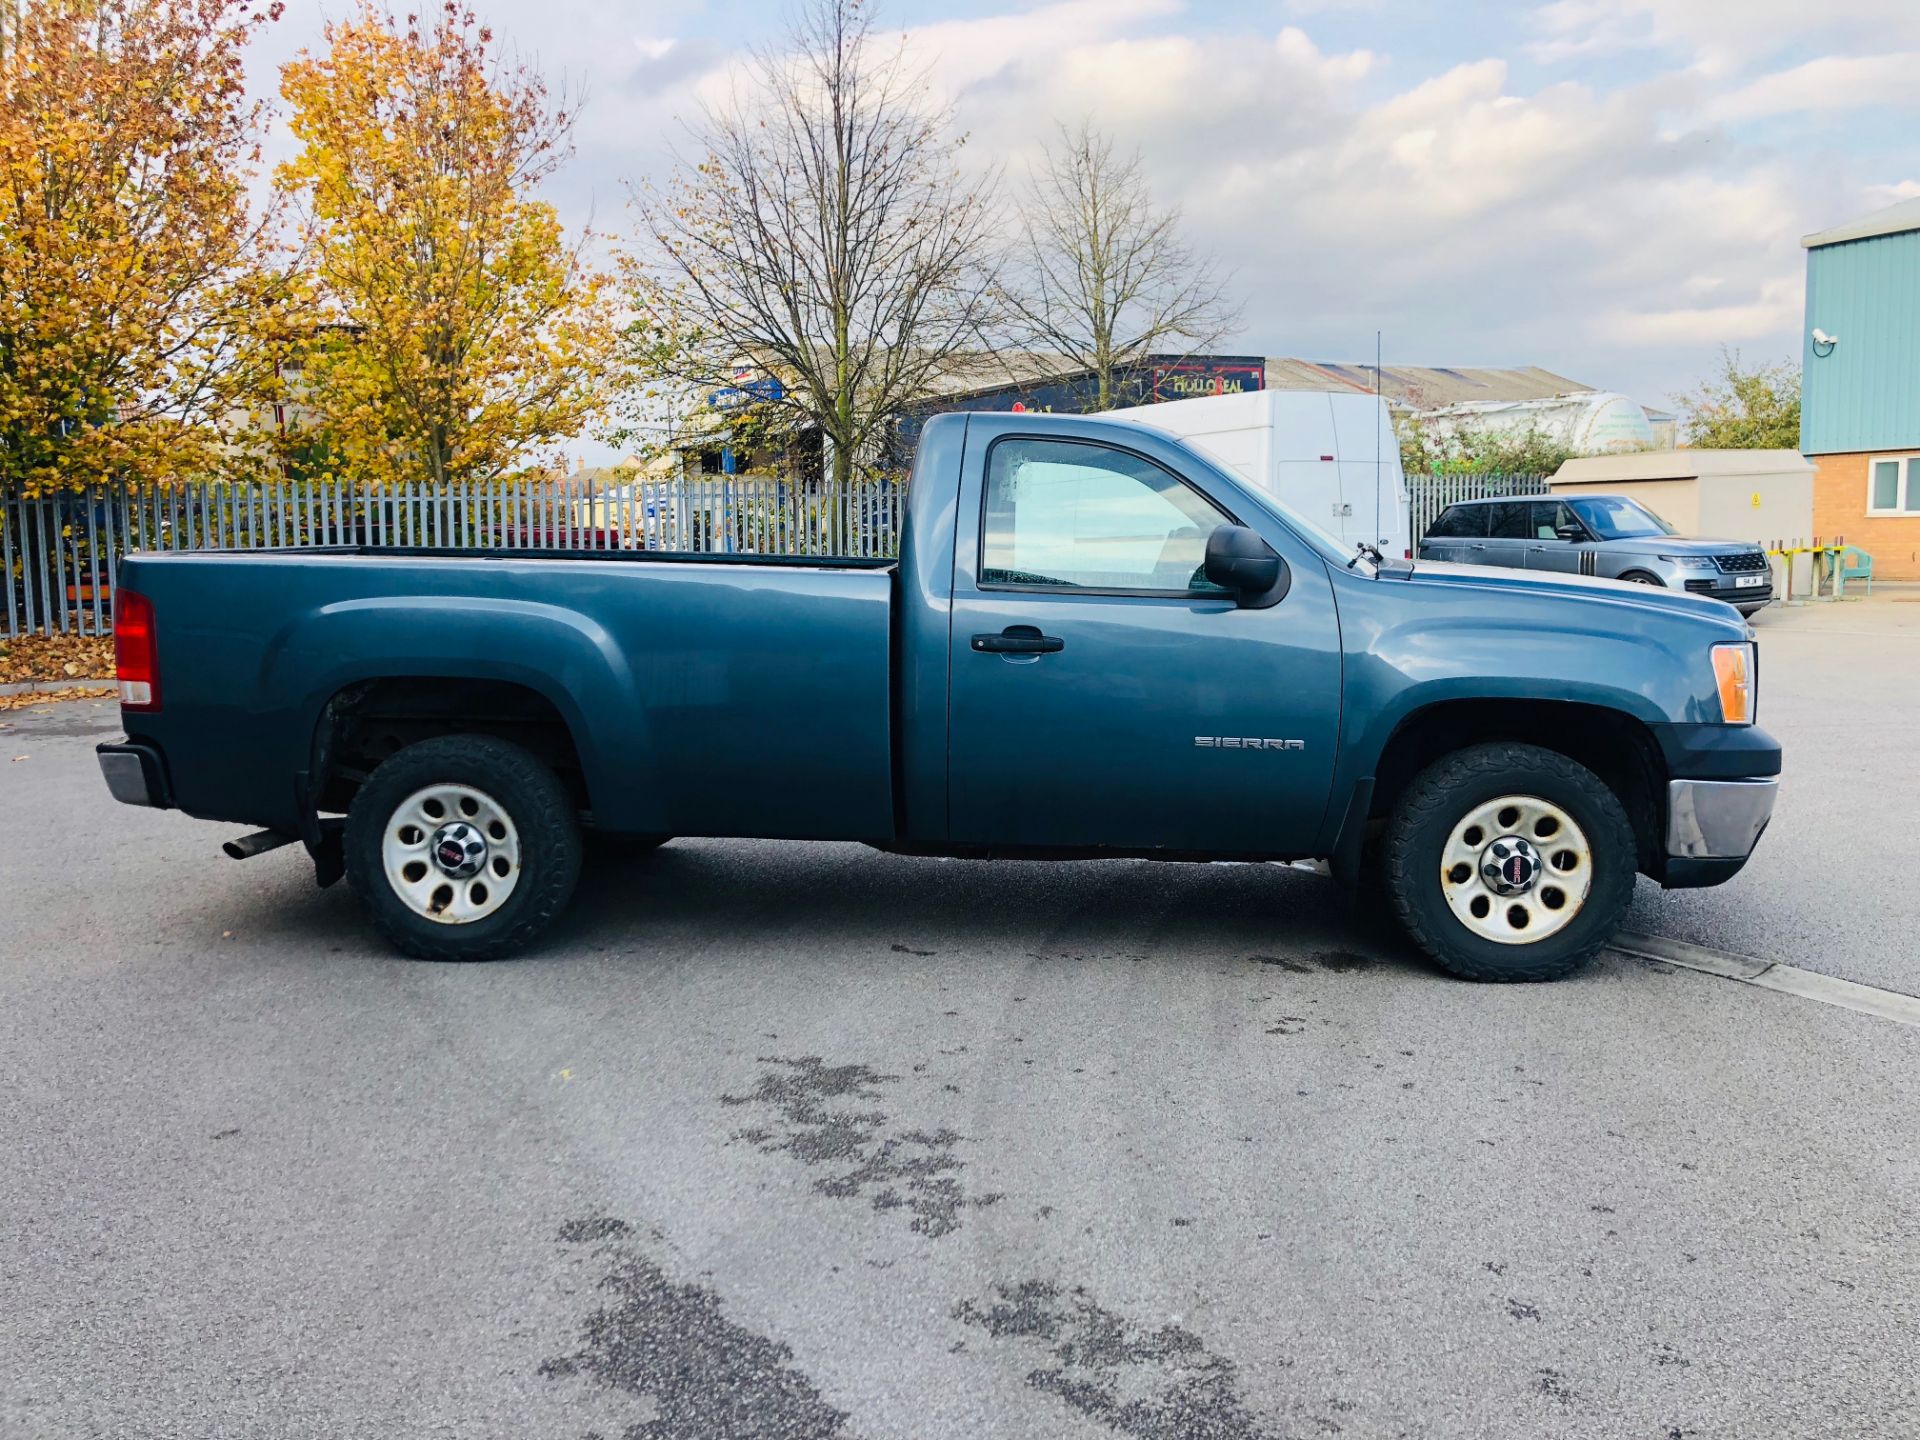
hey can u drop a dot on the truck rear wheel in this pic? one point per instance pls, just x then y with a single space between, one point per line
1509 862
462 847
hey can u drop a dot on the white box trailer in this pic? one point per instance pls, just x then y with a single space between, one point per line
1331 456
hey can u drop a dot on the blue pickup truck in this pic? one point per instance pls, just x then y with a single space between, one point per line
1095 643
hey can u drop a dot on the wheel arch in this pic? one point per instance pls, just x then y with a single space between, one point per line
363 722
1616 746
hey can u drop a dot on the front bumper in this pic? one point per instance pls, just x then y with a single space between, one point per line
135 774
1746 598
1712 827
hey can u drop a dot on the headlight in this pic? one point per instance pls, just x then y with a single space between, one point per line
1691 562
1734 674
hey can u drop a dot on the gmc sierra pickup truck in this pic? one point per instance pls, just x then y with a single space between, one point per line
1095 642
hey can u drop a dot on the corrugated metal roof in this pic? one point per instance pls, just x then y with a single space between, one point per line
1415 387
1422 387
974 371
1893 220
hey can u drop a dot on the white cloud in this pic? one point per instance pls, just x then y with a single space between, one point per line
1475 221
1765 316
1832 82
1880 196
1615 231
1720 36
1323 7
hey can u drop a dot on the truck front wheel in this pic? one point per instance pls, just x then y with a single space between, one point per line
462 847
1509 862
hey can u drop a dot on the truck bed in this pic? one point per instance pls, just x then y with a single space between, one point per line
711 695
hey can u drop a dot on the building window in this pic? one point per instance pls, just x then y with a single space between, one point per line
1893 485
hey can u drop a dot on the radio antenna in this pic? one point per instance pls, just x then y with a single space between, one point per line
1378 523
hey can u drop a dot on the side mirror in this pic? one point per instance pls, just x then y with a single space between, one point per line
1240 561
1570 532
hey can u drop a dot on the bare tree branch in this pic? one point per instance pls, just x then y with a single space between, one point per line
827 235
1104 278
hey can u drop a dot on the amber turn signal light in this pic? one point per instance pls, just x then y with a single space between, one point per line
1733 672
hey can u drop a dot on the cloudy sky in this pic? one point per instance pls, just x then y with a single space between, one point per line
1609 188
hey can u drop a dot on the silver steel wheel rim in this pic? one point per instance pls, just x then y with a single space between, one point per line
1485 863
451 853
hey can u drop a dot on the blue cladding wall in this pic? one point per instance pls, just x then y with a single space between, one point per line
1865 395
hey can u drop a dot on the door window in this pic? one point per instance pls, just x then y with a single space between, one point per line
1508 520
1067 514
1550 517
1459 522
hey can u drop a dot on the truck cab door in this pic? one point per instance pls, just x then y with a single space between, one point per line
1102 693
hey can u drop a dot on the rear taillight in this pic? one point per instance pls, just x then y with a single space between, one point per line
136 657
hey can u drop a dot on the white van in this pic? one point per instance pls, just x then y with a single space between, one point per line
1330 455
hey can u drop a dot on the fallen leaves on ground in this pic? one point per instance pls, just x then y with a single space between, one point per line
49 697
55 657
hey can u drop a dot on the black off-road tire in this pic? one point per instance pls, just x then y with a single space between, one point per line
542 812
1445 792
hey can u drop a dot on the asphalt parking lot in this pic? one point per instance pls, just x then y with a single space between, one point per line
790 1141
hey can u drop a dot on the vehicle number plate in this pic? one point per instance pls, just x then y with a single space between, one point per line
1744 582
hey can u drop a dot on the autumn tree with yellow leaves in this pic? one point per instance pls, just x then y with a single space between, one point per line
130 262
455 329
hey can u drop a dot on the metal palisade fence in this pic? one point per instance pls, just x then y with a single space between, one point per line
1428 495
59 553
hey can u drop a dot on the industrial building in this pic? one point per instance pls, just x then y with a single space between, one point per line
1860 386
1468 397
1476 398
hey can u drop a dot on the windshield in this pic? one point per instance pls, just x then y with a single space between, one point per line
1611 517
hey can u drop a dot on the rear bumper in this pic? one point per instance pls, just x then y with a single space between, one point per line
135 775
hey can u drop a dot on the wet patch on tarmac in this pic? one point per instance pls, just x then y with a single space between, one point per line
827 1120
1342 962
689 1369
594 1228
1298 967
1152 1384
